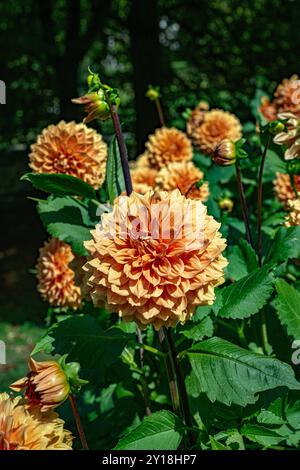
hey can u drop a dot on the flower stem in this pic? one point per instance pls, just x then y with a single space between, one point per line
78 422
174 392
160 112
243 203
259 201
144 382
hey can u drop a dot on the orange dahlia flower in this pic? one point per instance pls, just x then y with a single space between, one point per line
56 282
46 384
168 145
183 176
196 117
72 149
287 95
217 125
154 258
27 428
294 213
268 109
143 179
283 188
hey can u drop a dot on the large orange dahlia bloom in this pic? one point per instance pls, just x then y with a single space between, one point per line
283 188
27 428
183 176
56 282
217 125
168 145
72 149
154 258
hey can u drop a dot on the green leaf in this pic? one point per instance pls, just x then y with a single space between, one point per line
60 184
114 174
204 328
67 219
242 260
287 305
162 430
85 342
230 374
246 296
216 445
260 434
286 245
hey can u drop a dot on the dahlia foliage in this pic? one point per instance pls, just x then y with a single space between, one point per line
172 281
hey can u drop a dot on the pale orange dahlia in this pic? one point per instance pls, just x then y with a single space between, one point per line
72 149
283 188
27 428
268 109
217 125
143 179
183 176
287 96
294 213
55 278
154 258
196 117
168 145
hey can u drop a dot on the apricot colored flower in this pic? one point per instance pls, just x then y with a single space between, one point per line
283 188
287 96
168 145
216 126
268 109
154 258
293 217
143 179
46 384
196 117
290 138
183 176
72 149
28 428
55 277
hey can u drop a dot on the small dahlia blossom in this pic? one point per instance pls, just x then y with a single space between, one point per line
56 280
196 117
46 384
283 188
290 138
72 149
143 179
168 145
293 217
184 176
154 258
287 96
217 125
268 109
27 428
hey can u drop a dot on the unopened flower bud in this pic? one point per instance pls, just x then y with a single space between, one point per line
46 384
224 153
226 204
276 127
153 93
96 105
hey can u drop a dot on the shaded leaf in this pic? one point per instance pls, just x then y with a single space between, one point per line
287 305
60 184
114 174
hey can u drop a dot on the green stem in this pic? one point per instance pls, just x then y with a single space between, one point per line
78 422
243 203
174 392
160 112
259 201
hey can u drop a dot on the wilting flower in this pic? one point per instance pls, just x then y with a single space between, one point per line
55 278
283 188
143 179
46 384
287 96
268 109
224 153
184 176
217 125
94 105
291 137
72 149
168 145
28 428
293 217
226 204
196 117
154 258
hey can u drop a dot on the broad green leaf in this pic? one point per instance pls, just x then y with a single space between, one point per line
67 219
60 184
230 374
162 430
216 445
287 305
242 260
260 434
85 342
285 245
114 173
246 296
197 332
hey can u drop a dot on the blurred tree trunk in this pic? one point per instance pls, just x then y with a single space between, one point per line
146 60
